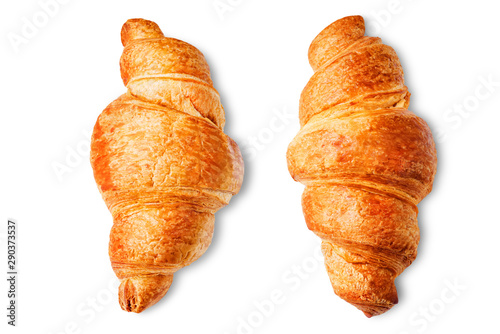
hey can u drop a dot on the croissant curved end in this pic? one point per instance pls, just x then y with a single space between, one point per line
140 292
135 29
335 38
370 308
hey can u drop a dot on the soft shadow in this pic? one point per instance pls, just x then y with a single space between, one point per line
422 212
422 224
248 170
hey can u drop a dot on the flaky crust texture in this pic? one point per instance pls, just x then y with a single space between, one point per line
161 162
366 162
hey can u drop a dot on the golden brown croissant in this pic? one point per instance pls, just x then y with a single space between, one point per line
366 162
161 162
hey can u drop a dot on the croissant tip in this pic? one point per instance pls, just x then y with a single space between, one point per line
372 310
138 293
355 17
128 301
137 29
368 314
342 24
334 38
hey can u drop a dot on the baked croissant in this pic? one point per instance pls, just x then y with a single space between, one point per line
366 162
162 162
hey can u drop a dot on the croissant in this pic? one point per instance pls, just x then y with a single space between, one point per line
162 162
366 162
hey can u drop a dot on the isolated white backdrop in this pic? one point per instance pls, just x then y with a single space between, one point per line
57 81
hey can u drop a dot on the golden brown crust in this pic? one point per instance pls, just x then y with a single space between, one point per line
390 150
137 293
368 71
167 72
366 162
161 162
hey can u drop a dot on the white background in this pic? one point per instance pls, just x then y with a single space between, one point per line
55 84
